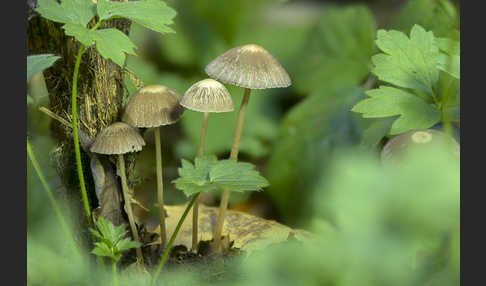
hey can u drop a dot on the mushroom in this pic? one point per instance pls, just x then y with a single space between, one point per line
206 96
252 67
155 106
120 138
398 147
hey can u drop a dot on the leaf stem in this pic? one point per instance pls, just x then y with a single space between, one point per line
54 204
234 155
173 237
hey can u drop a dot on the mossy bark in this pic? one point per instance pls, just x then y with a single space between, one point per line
99 102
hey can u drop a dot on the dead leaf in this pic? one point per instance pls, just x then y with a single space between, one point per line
248 232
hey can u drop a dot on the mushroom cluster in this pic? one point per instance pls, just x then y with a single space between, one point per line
248 66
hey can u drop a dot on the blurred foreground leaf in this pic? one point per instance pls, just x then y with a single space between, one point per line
38 63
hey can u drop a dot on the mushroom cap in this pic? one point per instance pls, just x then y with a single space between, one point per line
153 106
207 95
249 66
399 146
118 138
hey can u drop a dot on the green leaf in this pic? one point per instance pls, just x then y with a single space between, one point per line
450 60
113 44
102 249
126 244
30 100
209 174
386 101
152 14
237 176
84 35
38 63
308 135
68 11
409 63
438 16
338 51
110 43
195 178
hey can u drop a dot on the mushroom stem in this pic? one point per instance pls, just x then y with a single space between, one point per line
128 205
195 208
234 155
160 188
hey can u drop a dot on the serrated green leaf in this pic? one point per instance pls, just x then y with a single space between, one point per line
208 174
237 176
409 63
113 44
102 249
386 101
84 35
68 11
126 244
110 43
38 63
152 14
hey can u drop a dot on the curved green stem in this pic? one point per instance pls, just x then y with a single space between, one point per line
173 237
54 204
77 149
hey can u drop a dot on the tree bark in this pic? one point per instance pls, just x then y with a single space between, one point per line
100 97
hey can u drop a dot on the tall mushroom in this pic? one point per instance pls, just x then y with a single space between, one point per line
120 138
252 67
155 106
206 96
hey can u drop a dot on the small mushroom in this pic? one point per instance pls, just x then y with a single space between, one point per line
252 67
398 147
117 139
155 106
206 96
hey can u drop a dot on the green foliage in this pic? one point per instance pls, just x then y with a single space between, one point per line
308 135
208 174
38 63
438 16
152 14
387 101
112 242
338 50
413 64
111 43
68 11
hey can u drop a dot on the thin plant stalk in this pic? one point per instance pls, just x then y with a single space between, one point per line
173 237
113 270
77 149
195 210
234 155
160 188
53 201
128 206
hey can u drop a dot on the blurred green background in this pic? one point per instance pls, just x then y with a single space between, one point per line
294 137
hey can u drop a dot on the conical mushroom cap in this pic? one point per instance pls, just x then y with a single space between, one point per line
153 106
249 66
118 138
207 95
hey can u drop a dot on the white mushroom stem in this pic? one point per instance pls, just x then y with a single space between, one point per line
234 155
160 188
195 210
128 205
